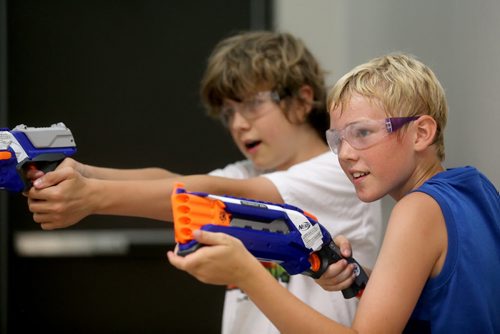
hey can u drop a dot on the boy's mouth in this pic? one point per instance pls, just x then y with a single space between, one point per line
357 175
251 144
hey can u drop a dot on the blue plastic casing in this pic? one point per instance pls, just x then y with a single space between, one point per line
47 158
286 248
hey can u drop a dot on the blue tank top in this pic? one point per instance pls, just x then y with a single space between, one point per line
465 296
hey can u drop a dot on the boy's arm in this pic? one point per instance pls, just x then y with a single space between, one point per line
64 197
104 173
130 174
413 250
226 261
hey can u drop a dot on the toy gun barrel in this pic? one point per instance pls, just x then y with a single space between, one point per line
24 148
278 233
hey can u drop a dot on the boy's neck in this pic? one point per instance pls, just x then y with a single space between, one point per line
419 176
311 148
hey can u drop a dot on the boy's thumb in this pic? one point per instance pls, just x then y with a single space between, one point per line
208 238
51 178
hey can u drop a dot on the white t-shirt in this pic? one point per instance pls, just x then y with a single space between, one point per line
320 187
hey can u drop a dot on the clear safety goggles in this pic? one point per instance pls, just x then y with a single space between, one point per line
250 108
364 134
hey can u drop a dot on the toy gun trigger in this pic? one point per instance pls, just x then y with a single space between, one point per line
44 162
328 254
5 155
316 265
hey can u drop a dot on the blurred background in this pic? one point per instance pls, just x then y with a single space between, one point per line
124 77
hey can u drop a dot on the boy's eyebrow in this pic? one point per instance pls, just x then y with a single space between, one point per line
226 101
357 121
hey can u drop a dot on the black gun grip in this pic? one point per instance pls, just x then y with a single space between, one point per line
189 250
329 254
44 162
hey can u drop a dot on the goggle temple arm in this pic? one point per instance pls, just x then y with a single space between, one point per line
395 123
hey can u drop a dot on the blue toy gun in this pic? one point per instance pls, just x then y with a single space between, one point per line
279 233
24 148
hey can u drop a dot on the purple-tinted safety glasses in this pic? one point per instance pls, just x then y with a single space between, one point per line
366 133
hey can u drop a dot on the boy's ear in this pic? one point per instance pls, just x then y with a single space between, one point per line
426 132
306 95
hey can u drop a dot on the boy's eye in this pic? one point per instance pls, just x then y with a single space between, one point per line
362 132
226 114
253 104
226 111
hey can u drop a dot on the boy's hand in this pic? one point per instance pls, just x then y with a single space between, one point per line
339 275
223 261
35 174
59 198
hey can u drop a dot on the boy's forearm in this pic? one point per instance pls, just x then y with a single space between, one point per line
103 173
290 315
147 198
150 198
137 198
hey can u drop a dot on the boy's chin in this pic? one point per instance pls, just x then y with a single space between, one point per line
263 166
367 197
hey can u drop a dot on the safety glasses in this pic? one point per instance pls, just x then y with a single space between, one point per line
364 134
250 108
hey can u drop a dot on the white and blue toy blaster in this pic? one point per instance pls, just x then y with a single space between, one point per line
278 233
24 148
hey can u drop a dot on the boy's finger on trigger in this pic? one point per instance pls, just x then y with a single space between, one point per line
336 268
345 276
33 174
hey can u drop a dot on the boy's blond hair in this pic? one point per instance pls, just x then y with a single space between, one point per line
244 64
400 84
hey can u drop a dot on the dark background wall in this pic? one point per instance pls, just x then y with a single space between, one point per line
124 77
3 196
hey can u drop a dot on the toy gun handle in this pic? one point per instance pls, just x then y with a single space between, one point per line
184 252
43 162
329 254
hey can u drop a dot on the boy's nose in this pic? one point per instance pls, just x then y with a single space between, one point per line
346 151
239 121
